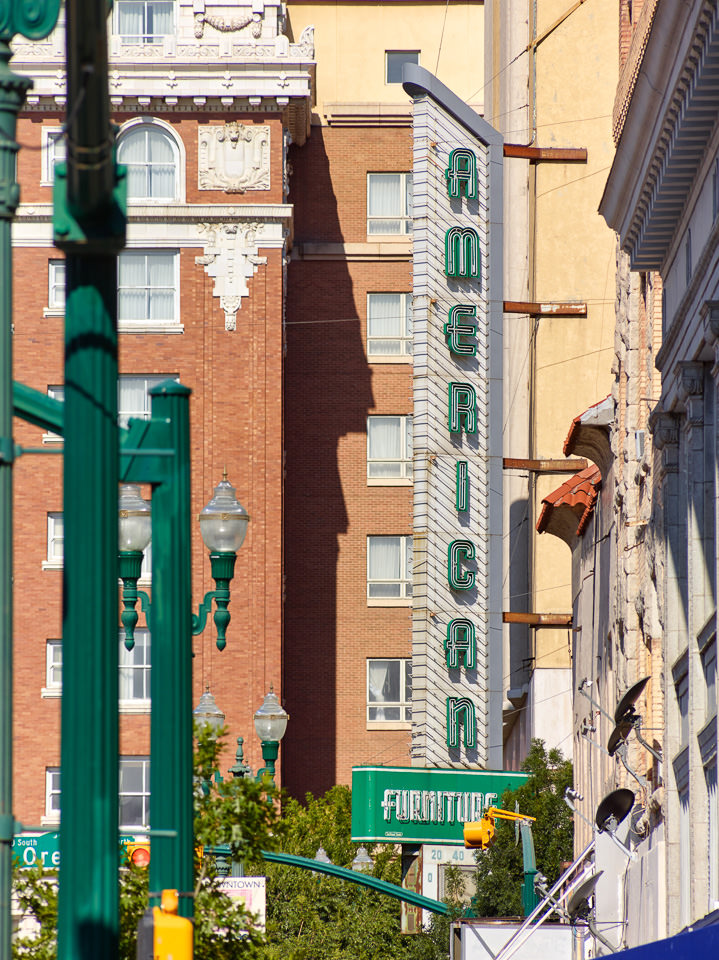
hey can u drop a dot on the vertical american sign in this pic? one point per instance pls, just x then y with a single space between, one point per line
457 321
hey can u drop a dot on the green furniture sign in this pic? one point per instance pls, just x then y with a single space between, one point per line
414 805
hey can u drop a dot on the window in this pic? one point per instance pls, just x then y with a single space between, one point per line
395 60
688 257
150 155
144 21
52 794
710 774
53 665
56 285
55 539
134 793
389 568
709 668
135 667
389 448
389 325
57 392
681 687
389 690
133 395
389 203
146 284
53 152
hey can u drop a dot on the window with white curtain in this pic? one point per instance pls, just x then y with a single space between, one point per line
53 152
389 325
56 284
146 286
134 792
389 448
55 539
135 666
150 156
53 665
389 203
52 793
144 21
389 690
389 568
133 395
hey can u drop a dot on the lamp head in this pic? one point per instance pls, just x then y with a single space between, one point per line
134 519
271 719
223 522
208 714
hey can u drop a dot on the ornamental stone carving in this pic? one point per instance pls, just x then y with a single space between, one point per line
234 157
231 259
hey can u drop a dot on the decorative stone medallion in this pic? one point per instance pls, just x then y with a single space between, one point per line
234 157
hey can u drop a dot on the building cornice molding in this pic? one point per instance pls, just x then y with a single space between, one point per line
665 131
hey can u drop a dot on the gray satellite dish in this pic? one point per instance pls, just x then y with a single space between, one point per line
578 904
613 809
625 707
619 736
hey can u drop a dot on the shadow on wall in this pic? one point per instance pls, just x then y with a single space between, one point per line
327 394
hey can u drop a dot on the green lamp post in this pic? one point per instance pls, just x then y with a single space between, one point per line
270 725
134 534
34 21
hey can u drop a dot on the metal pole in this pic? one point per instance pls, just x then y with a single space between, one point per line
34 22
171 784
12 94
89 226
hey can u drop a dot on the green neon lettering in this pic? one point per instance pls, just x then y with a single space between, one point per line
462 408
461 174
461 252
461 322
458 553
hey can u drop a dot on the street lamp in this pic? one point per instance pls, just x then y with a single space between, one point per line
363 862
270 725
223 525
207 715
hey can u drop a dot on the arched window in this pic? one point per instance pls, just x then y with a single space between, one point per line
150 155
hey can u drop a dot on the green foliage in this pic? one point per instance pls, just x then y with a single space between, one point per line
316 917
36 891
500 869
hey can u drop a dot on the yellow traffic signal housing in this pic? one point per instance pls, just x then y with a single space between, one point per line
480 834
162 935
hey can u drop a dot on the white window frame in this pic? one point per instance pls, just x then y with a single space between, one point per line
136 661
404 598
53 670
404 463
148 325
144 793
404 341
49 154
57 391
52 791
55 556
55 288
404 704
144 39
404 215
407 55
178 149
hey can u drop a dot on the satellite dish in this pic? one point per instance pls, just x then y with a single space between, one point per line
619 736
625 707
615 806
578 905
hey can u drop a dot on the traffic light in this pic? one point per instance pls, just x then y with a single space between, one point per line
161 934
138 852
479 834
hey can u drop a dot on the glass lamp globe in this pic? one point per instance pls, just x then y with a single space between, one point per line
134 519
363 862
208 714
223 522
271 719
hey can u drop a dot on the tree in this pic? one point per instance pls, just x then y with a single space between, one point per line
500 869
315 917
235 812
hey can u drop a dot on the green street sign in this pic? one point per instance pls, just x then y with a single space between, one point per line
415 805
31 849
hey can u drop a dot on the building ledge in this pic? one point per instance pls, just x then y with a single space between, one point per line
400 249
